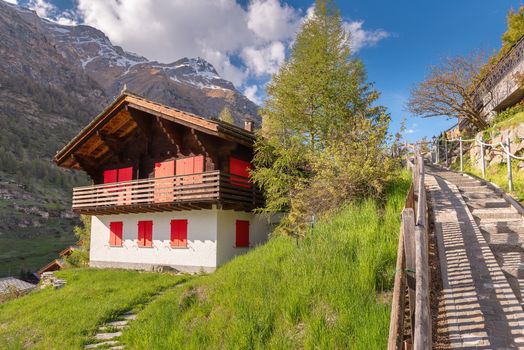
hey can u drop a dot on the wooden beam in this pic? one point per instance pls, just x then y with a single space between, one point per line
89 165
171 134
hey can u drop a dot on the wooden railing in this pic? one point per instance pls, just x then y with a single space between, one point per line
203 187
411 288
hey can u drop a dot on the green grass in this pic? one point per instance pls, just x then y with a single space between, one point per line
328 292
498 174
68 317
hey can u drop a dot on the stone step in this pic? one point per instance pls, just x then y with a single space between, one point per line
481 195
128 316
486 203
107 336
495 240
104 344
504 227
108 329
469 183
496 213
476 189
117 323
488 221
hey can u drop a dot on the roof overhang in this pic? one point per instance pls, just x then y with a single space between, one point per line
126 100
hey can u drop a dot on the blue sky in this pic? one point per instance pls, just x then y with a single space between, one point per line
398 40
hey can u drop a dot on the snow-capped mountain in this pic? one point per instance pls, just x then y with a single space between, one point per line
190 84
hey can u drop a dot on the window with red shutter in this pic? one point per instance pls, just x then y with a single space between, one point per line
239 172
179 233
110 176
242 233
145 233
115 234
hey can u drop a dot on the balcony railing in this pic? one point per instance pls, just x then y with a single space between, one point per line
501 69
159 193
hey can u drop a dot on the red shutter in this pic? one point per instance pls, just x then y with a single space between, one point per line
148 234
242 233
239 170
164 187
198 164
110 176
141 233
115 233
125 174
163 169
145 233
178 233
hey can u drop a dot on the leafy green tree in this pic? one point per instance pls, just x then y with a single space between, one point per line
515 29
226 116
320 128
80 256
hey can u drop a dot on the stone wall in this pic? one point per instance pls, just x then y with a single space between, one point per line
495 155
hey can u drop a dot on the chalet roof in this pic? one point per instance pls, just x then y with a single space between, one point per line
127 100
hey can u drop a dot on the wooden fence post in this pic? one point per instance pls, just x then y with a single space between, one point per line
460 150
396 321
408 222
508 160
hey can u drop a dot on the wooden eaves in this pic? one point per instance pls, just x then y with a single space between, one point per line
127 100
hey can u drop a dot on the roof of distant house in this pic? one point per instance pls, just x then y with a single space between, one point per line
8 283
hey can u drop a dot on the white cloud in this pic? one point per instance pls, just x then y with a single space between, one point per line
42 8
360 38
15 2
251 93
241 42
270 20
410 131
265 60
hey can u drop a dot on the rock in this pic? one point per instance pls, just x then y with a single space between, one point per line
49 279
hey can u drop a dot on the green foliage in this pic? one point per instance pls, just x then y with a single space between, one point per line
330 292
317 127
226 116
515 29
80 256
506 115
68 317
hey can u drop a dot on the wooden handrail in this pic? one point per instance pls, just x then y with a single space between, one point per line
412 257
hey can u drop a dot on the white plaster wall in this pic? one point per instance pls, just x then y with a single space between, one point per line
259 229
201 240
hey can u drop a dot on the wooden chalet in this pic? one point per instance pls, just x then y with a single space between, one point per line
144 157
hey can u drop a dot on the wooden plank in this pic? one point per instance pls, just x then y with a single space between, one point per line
396 321
408 224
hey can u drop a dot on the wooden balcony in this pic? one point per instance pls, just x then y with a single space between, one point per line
185 192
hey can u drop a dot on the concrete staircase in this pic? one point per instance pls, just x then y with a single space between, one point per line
501 225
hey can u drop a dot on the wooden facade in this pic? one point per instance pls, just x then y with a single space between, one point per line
144 157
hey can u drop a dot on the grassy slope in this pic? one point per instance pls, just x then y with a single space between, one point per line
498 174
328 292
66 318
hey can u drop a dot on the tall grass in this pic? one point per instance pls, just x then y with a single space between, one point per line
66 318
498 174
328 291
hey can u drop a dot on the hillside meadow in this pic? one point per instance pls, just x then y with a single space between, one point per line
330 290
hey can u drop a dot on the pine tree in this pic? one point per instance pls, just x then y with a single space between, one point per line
318 116
226 116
